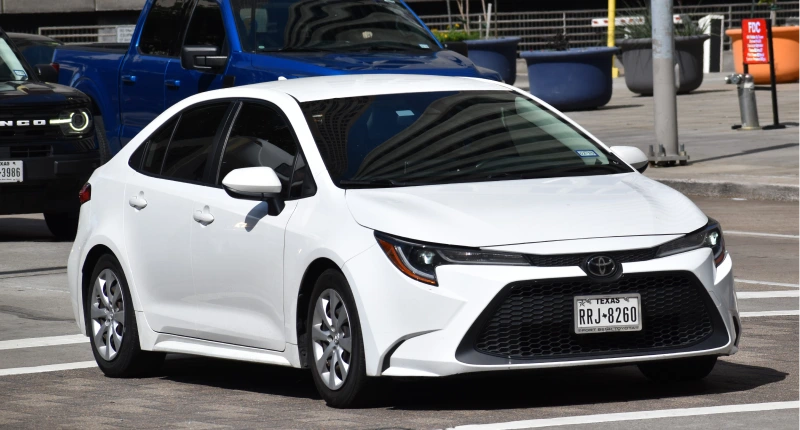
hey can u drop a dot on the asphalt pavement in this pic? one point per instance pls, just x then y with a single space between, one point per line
47 379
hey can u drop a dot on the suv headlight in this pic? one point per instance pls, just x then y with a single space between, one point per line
709 236
74 122
419 261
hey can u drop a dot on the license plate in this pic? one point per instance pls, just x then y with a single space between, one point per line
10 171
608 313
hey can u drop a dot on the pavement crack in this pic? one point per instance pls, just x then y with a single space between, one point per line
28 314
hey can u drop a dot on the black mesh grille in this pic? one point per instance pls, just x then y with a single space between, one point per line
534 319
28 151
577 259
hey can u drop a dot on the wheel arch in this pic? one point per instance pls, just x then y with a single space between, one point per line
92 257
310 276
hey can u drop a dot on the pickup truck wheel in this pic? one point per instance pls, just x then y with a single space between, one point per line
63 225
102 140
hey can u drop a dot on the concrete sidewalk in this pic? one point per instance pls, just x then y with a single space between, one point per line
724 162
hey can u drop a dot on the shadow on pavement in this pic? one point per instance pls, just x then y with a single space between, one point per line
24 229
499 390
747 152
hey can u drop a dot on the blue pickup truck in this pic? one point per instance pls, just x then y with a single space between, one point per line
182 47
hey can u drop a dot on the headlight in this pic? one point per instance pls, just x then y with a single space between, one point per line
709 236
74 122
419 261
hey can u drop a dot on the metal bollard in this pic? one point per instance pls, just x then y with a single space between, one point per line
746 89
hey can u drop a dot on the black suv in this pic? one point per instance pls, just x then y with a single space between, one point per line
47 142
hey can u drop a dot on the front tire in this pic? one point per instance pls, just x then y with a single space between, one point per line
335 345
63 225
680 370
111 324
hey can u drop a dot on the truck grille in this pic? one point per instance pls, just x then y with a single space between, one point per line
533 320
28 151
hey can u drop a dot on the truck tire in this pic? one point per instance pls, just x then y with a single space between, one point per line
102 140
63 225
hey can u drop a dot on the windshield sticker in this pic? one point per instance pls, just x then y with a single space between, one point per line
586 153
389 1
21 73
405 113
424 46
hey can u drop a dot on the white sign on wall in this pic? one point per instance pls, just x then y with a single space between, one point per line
125 33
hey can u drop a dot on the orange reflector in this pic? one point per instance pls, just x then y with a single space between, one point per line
391 252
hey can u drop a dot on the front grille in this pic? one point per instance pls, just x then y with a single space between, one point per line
28 151
10 131
533 320
577 259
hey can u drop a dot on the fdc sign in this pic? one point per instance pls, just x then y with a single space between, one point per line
754 41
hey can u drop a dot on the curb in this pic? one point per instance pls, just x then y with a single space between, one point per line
750 191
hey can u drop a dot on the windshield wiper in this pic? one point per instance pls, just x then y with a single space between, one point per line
591 169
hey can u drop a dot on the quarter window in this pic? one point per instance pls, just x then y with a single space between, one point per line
206 27
156 148
260 137
188 151
161 34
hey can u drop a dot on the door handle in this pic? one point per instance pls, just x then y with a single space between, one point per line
203 217
138 202
173 83
128 78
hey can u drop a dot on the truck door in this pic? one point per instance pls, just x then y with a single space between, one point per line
186 76
143 70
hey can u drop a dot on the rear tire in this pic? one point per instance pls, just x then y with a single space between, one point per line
333 327
115 338
102 140
680 370
63 225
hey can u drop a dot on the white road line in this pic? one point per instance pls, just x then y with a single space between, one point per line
47 368
632 416
773 284
751 233
766 294
42 341
769 314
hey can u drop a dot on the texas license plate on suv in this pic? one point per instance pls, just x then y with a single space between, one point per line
608 313
10 171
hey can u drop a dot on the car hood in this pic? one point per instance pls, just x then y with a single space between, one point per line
526 211
33 92
444 62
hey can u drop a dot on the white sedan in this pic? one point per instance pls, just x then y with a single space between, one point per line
393 225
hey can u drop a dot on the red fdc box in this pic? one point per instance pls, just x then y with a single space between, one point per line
754 41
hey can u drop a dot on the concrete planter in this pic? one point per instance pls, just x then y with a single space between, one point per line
571 80
637 57
499 55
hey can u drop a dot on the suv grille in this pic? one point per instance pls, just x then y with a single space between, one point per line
577 259
30 151
533 320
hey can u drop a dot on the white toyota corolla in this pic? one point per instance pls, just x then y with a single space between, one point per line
393 225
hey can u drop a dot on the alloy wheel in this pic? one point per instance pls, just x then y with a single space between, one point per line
332 339
108 314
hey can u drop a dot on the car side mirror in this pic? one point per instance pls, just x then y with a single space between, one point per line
47 73
633 156
203 58
252 183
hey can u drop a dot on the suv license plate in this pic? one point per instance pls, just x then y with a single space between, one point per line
608 313
10 171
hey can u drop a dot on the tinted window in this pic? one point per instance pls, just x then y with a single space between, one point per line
190 145
161 34
136 158
260 137
206 27
156 148
440 137
296 25
303 184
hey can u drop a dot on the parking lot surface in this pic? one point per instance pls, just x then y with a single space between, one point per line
199 393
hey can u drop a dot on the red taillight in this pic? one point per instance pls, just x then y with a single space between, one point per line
56 66
86 193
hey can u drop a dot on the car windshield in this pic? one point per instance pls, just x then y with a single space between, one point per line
446 137
11 69
329 25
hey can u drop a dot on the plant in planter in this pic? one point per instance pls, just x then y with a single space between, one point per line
636 44
454 38
570 78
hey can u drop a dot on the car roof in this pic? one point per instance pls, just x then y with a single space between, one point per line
341 86
27 36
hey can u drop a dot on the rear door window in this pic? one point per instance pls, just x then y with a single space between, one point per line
163 28
260 137
188 151
156 148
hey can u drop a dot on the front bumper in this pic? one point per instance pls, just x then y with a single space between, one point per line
412 329
49 184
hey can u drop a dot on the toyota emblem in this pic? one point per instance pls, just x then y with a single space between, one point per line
601 266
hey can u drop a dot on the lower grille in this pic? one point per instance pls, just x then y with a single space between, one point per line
28 151
533 320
